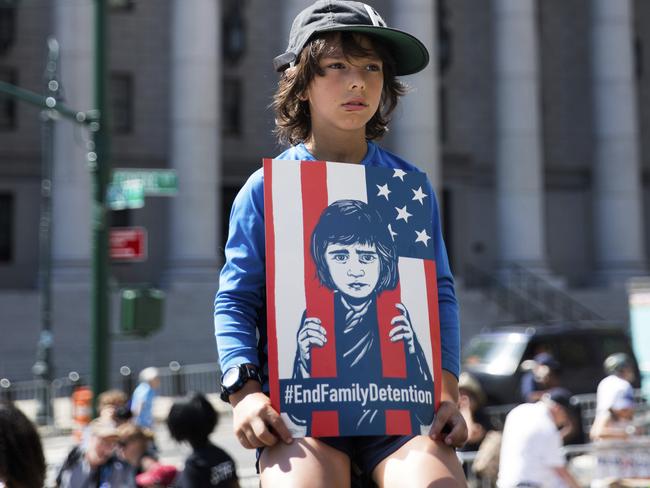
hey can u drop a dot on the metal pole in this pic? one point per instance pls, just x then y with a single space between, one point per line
43 368
98 162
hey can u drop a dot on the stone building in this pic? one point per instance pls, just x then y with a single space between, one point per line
532 121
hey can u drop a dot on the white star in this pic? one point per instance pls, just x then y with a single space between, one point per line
383 191
399 174
422 237
419 195
402 213
392 232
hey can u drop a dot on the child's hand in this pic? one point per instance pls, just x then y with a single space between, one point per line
449 425
311 333
255 421
402 329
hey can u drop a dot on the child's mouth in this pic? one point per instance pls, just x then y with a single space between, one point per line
357 286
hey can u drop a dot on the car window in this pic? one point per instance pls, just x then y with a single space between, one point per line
574 352
611 344
495 354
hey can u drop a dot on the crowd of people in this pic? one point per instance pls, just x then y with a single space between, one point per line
118 449
527 449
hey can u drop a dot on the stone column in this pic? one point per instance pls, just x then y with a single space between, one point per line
71 181
519 160
195 140
415 133
618 237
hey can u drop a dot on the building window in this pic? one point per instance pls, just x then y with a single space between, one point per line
231 106
6 227
121 5
8 113
122 103
7 25
233 31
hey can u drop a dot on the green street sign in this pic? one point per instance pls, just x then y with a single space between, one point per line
156 182
126 194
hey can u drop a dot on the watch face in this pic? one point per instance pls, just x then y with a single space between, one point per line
230 377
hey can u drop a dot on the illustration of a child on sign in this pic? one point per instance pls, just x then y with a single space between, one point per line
356 258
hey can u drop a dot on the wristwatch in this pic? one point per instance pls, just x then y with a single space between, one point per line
235 377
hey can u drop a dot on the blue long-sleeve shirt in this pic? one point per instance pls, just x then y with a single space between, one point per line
240 303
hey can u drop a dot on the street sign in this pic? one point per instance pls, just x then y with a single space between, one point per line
127 194
156 182
128 244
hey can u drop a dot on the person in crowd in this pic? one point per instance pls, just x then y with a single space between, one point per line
620 372
471 402
134 446
615 404
22 462
143 397
192 420
617 421
112 406
544 374
337 89
96 464
531 446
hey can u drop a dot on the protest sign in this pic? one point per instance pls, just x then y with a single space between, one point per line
352 301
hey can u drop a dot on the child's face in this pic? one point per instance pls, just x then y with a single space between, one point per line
348 94
354 268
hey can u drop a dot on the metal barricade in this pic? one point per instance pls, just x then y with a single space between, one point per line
605 463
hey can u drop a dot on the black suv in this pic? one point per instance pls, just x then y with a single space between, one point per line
494 356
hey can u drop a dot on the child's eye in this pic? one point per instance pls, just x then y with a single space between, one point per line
340 258
336 66
367 258
373 67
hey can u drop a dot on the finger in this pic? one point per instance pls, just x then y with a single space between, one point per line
308 334
243 440
315 327
251 438
315 341
262 432
402 308
315 320
277 425
457 436
317 334
399 319
442 416
399 331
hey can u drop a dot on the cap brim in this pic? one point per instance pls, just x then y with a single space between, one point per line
410 54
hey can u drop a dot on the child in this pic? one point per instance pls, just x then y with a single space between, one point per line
22 462
356 258
193 419
334 97
143 397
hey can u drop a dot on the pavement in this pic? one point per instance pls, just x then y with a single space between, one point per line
58 439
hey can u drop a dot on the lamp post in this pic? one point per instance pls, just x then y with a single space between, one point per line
43 367
98 162
96 121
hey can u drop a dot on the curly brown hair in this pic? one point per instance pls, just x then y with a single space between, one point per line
292 118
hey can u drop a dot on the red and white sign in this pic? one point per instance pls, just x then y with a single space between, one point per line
128 244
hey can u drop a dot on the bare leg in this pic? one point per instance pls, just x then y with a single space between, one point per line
306 462
424 463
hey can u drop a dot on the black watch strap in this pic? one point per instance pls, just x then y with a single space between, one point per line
244 372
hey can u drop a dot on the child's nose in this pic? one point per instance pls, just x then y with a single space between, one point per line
357 78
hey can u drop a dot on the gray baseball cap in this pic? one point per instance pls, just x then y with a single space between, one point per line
410 54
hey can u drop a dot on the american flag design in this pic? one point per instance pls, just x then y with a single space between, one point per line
352 299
